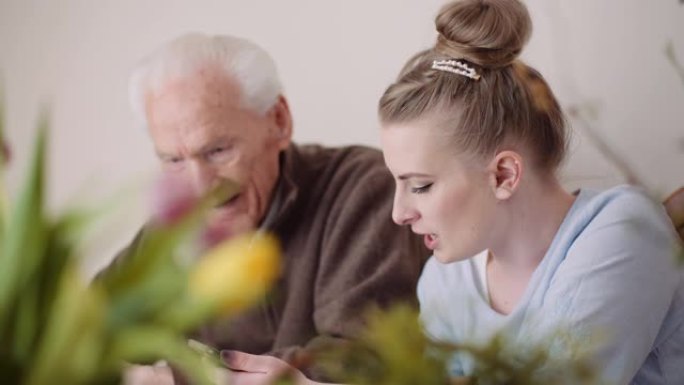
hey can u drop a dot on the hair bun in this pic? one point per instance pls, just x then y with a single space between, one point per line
489 33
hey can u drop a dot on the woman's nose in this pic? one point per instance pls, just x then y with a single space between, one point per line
402 212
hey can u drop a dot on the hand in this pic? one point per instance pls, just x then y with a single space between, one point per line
249 369
674 205
148 375
161 374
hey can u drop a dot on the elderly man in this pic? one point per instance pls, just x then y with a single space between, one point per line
215 111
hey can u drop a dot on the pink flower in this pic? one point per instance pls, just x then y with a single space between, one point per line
212 235
6 152
172 199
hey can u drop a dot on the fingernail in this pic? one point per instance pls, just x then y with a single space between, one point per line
227 355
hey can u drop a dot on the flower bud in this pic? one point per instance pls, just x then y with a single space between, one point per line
173 199
5 152
213 234
237 272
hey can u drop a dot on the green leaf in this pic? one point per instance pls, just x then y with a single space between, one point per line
145 344
72 344
392 351
157 244
36 300
144 299
23 247
60 254
26 326
4 200
187 313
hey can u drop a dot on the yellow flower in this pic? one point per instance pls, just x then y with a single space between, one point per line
236 273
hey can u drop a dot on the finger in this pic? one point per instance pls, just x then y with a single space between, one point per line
222 376
252 363
247 378
147 375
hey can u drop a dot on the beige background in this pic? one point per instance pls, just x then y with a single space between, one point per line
335 58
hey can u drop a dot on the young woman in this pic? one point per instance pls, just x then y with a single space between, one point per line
473 137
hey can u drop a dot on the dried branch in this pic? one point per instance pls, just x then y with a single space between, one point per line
605 149
672 58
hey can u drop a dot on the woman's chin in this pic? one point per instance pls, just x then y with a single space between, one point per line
445 257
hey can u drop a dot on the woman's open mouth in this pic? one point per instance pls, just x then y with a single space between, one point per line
430 241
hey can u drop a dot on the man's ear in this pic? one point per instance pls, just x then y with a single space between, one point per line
282 119
505 172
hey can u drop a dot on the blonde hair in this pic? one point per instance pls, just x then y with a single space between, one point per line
510 103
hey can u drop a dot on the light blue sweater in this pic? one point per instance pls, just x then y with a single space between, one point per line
609 280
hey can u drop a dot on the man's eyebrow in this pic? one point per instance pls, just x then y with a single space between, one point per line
163 155
221 141
218 142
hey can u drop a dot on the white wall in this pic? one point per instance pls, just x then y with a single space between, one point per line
335 58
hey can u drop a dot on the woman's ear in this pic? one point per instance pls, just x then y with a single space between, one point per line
505 171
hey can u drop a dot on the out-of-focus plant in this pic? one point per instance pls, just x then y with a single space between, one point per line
672 58
584 115
55 328
675 203
393 350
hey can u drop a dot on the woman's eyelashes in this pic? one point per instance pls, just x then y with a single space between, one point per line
421 189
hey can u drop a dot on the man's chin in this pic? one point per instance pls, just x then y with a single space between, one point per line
233 224
218 229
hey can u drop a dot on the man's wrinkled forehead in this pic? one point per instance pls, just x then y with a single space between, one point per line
206 86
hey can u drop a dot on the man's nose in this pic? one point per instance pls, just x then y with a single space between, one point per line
402 212
202 177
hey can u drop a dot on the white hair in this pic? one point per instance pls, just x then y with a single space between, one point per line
245 62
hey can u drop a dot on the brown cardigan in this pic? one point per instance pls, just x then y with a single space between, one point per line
332 212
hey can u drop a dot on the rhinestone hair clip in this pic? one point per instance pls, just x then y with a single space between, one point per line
456 67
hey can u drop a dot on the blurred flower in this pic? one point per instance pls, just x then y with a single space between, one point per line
394 350
139 309
212 235
237 272
172 199
5 152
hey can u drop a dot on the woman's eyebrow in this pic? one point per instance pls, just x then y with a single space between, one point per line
413 175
